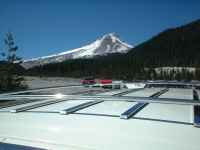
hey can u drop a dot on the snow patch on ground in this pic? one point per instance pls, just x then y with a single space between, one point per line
134 85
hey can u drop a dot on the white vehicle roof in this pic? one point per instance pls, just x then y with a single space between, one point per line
95 121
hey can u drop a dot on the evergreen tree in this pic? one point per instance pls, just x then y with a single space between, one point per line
10 78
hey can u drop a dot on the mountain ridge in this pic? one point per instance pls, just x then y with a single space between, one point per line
107 44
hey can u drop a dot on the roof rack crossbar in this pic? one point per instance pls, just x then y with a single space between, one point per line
157 94
25 108
10 104
195 95
133 110
122 98
196 113
196 110
79 107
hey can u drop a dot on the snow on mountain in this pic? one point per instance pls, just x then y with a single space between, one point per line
109 43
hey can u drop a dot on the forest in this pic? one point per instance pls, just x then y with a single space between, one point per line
175 47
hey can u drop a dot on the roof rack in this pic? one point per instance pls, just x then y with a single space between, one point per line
142 102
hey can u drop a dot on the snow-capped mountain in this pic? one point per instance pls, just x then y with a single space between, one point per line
109 43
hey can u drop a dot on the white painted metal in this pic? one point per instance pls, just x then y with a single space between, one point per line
168 112
178 94
91 132
108 108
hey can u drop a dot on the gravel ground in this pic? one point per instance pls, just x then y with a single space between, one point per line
37 82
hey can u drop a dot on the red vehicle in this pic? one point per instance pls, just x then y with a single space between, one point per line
88 80
105 81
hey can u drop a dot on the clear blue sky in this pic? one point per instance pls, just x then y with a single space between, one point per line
43 27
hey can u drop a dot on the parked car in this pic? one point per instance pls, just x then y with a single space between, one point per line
105 81
88 80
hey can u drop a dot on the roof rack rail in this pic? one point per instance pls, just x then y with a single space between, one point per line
196 110
123 98
15 103
133 110
79 107
25 108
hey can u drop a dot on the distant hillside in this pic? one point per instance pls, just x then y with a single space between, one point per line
174 47
177 47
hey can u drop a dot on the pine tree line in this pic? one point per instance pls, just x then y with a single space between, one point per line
10 71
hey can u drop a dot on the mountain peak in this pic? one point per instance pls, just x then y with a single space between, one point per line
110 35
109 43
113 38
